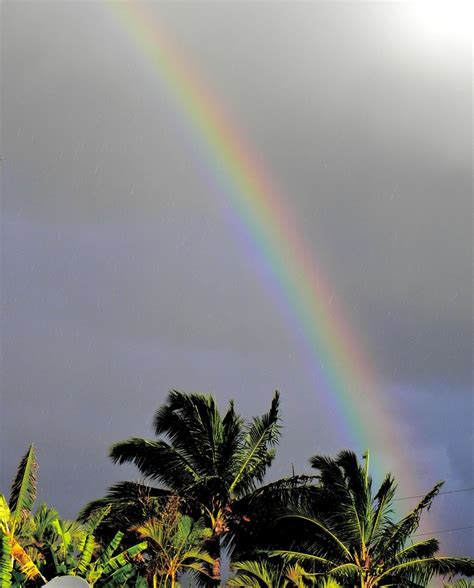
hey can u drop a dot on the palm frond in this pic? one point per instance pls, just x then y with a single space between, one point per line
23 490
345 572
356 478
194 426
296 575
325 531
329 583
290 493
256 451
346 482
156 460
196 555
246 580
255 573
330 474
396 535
461 583
130 503
429 566
232 431
383 508
255 521
419 550
293 555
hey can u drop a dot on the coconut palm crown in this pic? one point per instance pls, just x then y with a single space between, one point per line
214 463
352 537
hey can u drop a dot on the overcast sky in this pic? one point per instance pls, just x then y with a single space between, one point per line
123 278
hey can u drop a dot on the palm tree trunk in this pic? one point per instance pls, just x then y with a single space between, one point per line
213 547
216 569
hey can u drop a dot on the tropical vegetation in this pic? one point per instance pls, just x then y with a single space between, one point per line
38 546
203 493
349 533
214 463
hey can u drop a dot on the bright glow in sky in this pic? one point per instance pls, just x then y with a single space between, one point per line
446 18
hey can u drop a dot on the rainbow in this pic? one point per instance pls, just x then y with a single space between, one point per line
341 369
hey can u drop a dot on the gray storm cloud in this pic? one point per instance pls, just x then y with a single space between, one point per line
122 276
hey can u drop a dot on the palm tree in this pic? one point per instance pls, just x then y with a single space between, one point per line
213 463
175 545
351 535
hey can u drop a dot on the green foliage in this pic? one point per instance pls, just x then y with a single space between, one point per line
350 535
23 490
330 530
267 574
130 503
99 566
328 583
175 545
6 562
208 455
15 517
38 545
213 463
